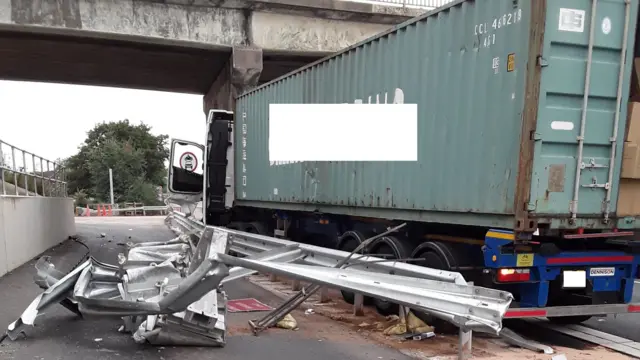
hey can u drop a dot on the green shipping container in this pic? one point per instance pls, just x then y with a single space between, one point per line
505 129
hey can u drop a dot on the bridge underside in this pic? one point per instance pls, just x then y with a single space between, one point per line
119 61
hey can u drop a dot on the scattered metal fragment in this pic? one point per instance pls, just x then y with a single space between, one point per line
170 293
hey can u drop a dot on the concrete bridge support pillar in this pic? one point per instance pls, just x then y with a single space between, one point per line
241 73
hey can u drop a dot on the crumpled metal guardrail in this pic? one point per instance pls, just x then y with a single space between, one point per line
172 299
444 294
169 293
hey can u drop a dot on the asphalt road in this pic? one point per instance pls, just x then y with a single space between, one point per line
59 334
625 325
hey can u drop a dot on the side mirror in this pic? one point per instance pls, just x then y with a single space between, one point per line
186 167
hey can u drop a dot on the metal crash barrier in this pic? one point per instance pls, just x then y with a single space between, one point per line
23 173
169 293
448 286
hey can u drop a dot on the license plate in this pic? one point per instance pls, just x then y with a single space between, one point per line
602 271
574 279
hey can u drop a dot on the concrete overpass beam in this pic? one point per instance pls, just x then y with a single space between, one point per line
302 34
241 73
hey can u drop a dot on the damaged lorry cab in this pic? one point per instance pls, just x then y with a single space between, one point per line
520 182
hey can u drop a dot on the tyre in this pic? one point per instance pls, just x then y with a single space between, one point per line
255 228
389 247
348 242
435 256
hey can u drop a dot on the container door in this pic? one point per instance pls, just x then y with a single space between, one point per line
582 109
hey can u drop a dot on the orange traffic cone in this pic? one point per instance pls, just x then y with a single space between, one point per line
88 211
109 212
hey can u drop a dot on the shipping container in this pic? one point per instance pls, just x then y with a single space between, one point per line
507 136
521 181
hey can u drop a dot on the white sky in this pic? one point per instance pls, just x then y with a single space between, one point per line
51 120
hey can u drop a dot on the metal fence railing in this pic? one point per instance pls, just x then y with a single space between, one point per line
428 4
107 210
23 173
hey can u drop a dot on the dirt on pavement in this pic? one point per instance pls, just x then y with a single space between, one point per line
441 347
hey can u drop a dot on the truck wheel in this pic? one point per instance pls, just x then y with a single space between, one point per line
256 228
436 256
348 242
389 247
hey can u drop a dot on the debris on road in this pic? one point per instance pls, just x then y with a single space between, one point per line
288 322
410 324
170 292
420 336
246 305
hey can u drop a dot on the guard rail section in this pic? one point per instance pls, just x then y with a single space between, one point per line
23 173
467 306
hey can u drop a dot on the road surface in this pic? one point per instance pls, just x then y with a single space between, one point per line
61 335
625 325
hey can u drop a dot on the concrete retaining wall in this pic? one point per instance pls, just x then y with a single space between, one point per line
30 226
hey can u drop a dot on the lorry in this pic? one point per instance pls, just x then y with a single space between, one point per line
525 174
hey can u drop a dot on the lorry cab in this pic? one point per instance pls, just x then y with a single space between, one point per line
190 162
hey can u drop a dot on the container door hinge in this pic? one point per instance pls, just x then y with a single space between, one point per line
542 62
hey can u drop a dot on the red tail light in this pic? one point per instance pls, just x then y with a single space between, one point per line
513 275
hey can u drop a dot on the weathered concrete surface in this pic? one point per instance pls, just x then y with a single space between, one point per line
31 225
10 189
298 33
242 71
221 23
175 45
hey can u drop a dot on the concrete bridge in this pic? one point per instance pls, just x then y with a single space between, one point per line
216 48
211 47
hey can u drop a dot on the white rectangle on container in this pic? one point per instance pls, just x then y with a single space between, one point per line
343 132
571 20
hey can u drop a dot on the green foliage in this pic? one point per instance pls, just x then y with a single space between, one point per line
81 198
144 192
135 155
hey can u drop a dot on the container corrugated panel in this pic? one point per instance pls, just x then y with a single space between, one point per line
566 49
472 68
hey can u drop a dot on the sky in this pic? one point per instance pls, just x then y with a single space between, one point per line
51 120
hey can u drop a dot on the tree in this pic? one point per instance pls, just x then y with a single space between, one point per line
135 155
